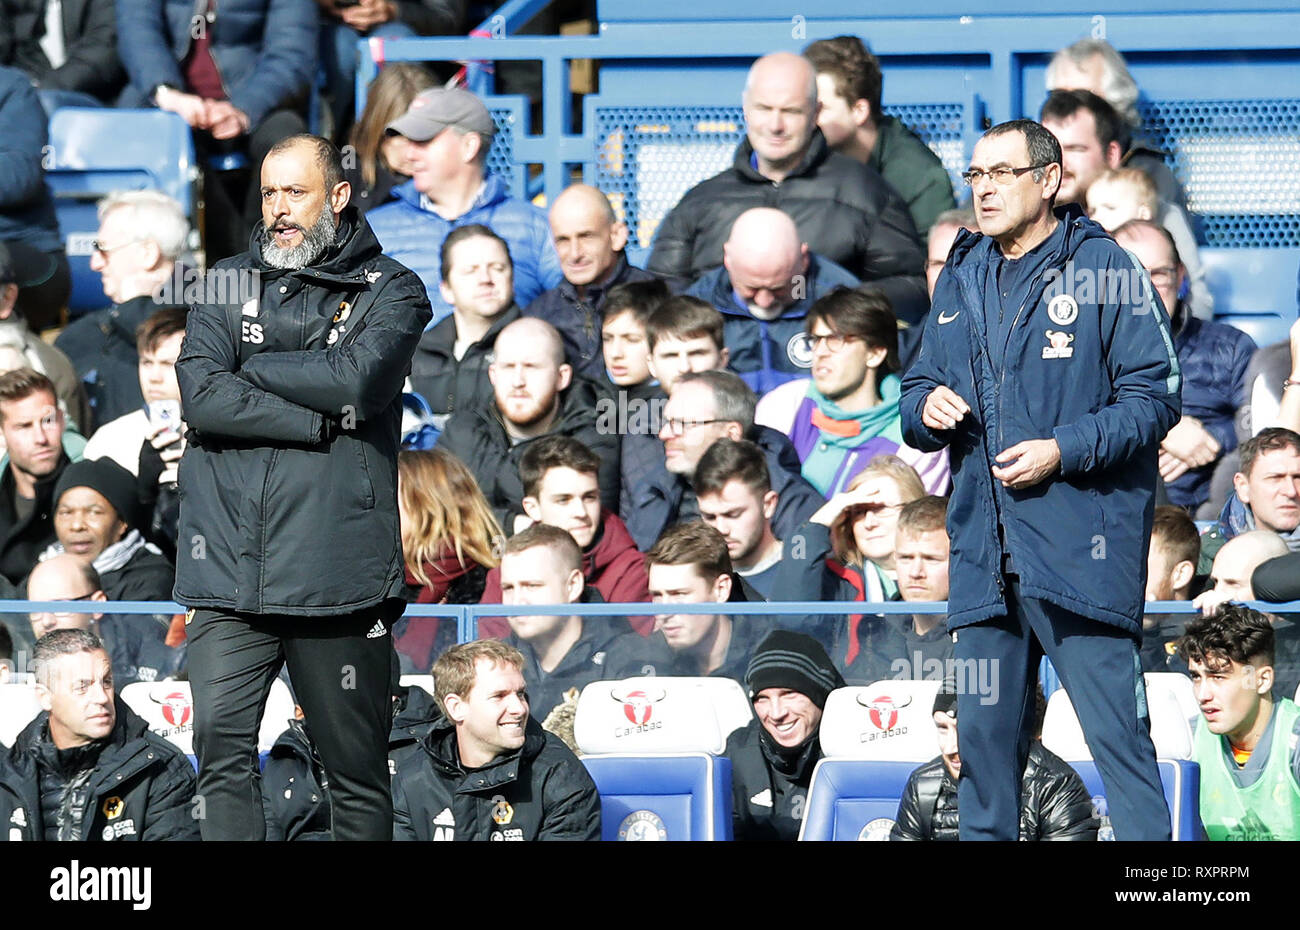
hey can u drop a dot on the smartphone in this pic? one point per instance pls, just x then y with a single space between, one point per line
167 414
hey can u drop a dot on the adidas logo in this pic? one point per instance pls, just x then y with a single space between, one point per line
377 630
445 819
762 799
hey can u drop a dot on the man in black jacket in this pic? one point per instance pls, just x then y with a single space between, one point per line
290 547
844 209
450 368
88 768
536 395
487 770
589 240
1054 804
772 759
73 64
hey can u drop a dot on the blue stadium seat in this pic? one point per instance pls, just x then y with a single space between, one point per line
854 799
1181 779
1254 290
678 796
95 151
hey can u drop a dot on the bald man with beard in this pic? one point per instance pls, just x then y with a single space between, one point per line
589 239
535 394
768 281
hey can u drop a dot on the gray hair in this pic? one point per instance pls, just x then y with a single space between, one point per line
733 401
153 216
1117 85
59 643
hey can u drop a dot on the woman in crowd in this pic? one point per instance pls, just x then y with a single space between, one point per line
378 163
449 541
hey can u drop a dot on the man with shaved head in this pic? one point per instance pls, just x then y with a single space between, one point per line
589 239
534 395
843 209
767 282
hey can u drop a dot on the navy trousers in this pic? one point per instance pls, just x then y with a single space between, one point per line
1098 665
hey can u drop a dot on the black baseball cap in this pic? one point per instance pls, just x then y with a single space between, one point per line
23 265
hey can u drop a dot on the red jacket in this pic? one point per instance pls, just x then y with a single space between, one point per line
613 566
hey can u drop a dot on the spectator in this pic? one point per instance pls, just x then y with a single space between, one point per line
447 133
34 352
921 564
561 481
766 284
96 521
1272 370
939 242
158 344
1054 803
379 160
238 73
1231 580
734 490
689 564
87 768
1213 358
773 757
589 240
141 236
847 413
28 224
69 52
1246 737
1094 65
685 334
702 408
1120 195
486 770
343 24
543 565
845 210
450 540
535 396
625 340
134 642
848 555
450 368
1267 493
1172 556
38 452
850 117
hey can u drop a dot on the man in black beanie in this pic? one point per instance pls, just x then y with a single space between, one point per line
772 759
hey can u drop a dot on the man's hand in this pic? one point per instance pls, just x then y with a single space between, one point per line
225 121
189 107
1209 602
943 408
1192 443
170 444
1171 467
1027 463
368 14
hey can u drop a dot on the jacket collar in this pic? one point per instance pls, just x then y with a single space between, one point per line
596 291
816 153
441 748
344 262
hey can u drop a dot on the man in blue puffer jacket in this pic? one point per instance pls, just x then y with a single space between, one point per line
1048 370
448 132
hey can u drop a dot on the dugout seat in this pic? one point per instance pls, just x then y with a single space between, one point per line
654 748
872 739
1254 289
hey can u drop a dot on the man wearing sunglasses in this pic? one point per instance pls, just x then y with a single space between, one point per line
1048 370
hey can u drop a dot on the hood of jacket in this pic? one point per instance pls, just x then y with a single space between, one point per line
613 545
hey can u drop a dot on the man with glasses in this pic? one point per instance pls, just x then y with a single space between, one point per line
141 236
702 408
847 413
767 282
1052 391
1213 357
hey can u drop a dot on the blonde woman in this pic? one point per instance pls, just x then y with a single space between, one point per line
449 541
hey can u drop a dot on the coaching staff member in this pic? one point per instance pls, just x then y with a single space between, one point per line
1052 391
291 552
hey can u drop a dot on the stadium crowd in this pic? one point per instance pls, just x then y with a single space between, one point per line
721 426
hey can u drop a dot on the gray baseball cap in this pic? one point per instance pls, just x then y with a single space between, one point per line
441 108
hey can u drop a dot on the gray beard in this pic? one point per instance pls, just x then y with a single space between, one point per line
315 241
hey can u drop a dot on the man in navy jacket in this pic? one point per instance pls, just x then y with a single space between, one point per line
1048 370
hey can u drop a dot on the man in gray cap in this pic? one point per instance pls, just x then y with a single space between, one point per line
448 132
789 678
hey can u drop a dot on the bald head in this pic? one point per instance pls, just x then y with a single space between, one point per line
1238 559
781 110
527 374
531 337
765 258
63 578
588 236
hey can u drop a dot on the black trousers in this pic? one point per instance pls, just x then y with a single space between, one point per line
341 678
